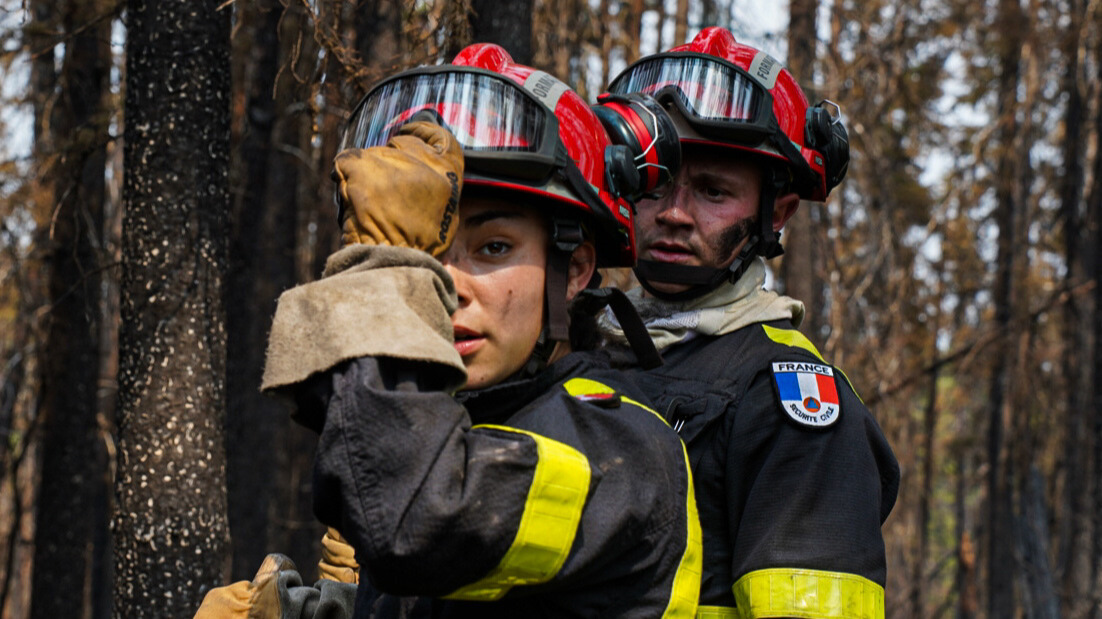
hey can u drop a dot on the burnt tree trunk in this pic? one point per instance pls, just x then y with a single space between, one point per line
964 579
681 24
929 428
67 537
1000 557
292 183
20 455
1075 519
379 40
1031 536
262 259
1094 395
509 24
170 518
798 268
633 25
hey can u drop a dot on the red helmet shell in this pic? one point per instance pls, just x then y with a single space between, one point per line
789 102
585 140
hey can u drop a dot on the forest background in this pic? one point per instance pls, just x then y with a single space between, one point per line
165 174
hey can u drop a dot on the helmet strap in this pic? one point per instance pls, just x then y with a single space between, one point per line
566 236
773 182
595 299
541 355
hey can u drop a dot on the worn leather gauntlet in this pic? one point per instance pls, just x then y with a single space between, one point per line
404 194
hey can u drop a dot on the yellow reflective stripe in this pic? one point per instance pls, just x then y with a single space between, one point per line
548 525
685 594
792 337
686 583
807 594
585 386
716 612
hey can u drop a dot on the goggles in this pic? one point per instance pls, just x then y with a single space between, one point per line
504 130
719 100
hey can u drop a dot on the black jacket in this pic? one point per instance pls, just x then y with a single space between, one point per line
790 504
556 496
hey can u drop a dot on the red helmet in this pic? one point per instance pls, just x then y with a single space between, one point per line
521 130
732 95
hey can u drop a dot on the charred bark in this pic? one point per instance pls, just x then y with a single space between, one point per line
508 24
1074 519
1094 394
1000 558
1039 590
170 517
800 264
262 266
67 540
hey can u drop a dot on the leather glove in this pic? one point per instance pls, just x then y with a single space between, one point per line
404 194
338 560
258 599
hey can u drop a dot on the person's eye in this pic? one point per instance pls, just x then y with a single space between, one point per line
495 248
712 192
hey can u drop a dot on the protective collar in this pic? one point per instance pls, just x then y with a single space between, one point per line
726 309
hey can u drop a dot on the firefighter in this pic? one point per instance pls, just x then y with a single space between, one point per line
794 477
475 463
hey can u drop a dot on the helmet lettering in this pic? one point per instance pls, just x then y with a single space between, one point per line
765 69
449 210
545 87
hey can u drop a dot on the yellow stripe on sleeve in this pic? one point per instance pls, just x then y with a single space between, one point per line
685 594
686 584
807 594
792 337
552 513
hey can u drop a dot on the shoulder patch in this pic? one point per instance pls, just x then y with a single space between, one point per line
592 391
807 392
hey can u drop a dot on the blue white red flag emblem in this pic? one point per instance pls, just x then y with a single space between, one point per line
807 392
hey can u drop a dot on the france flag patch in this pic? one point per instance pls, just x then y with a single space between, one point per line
807 392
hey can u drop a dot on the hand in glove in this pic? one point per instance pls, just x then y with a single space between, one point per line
248 600
404 194
338 560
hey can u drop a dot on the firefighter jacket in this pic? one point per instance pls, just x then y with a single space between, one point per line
793 475
560 495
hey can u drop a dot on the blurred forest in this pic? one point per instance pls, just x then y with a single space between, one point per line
165 175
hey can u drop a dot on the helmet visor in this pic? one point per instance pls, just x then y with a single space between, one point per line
503 129
718 99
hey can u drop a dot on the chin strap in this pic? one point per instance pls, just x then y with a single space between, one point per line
769 242
702 280
594 300
541 355
566 236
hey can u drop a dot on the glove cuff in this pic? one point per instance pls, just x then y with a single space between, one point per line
376 301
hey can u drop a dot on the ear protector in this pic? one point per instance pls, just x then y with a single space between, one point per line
646 152
825 133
